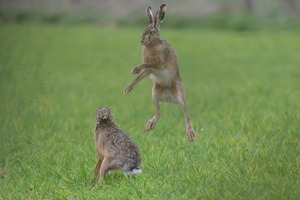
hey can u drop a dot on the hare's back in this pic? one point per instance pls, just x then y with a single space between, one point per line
119 143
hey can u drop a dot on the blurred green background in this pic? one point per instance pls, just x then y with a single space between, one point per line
220 14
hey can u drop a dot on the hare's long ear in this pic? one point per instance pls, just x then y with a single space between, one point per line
150 15
159 16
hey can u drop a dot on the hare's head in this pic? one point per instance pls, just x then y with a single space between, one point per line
151 33
103 114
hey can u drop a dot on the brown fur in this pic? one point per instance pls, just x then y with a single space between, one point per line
116 151
161 64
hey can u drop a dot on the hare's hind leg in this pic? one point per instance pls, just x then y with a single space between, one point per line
189 128
191 135
152 122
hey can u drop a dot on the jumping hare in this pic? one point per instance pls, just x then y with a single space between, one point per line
161 64
116 151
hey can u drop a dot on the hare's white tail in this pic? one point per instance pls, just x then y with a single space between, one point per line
134 172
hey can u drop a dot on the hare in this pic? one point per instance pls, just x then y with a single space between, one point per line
116 151
161 64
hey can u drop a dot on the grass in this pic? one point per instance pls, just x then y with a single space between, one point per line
242 92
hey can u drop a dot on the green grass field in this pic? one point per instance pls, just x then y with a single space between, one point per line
243 93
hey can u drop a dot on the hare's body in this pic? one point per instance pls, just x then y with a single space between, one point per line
116 151
167 69
160 63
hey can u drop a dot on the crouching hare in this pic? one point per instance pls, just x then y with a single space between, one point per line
116 151
161 64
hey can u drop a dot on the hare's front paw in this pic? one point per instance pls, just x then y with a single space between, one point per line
136 70
191 135
128 89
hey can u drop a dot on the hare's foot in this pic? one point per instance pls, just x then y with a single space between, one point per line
136 70
151 124
128 89
191 135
